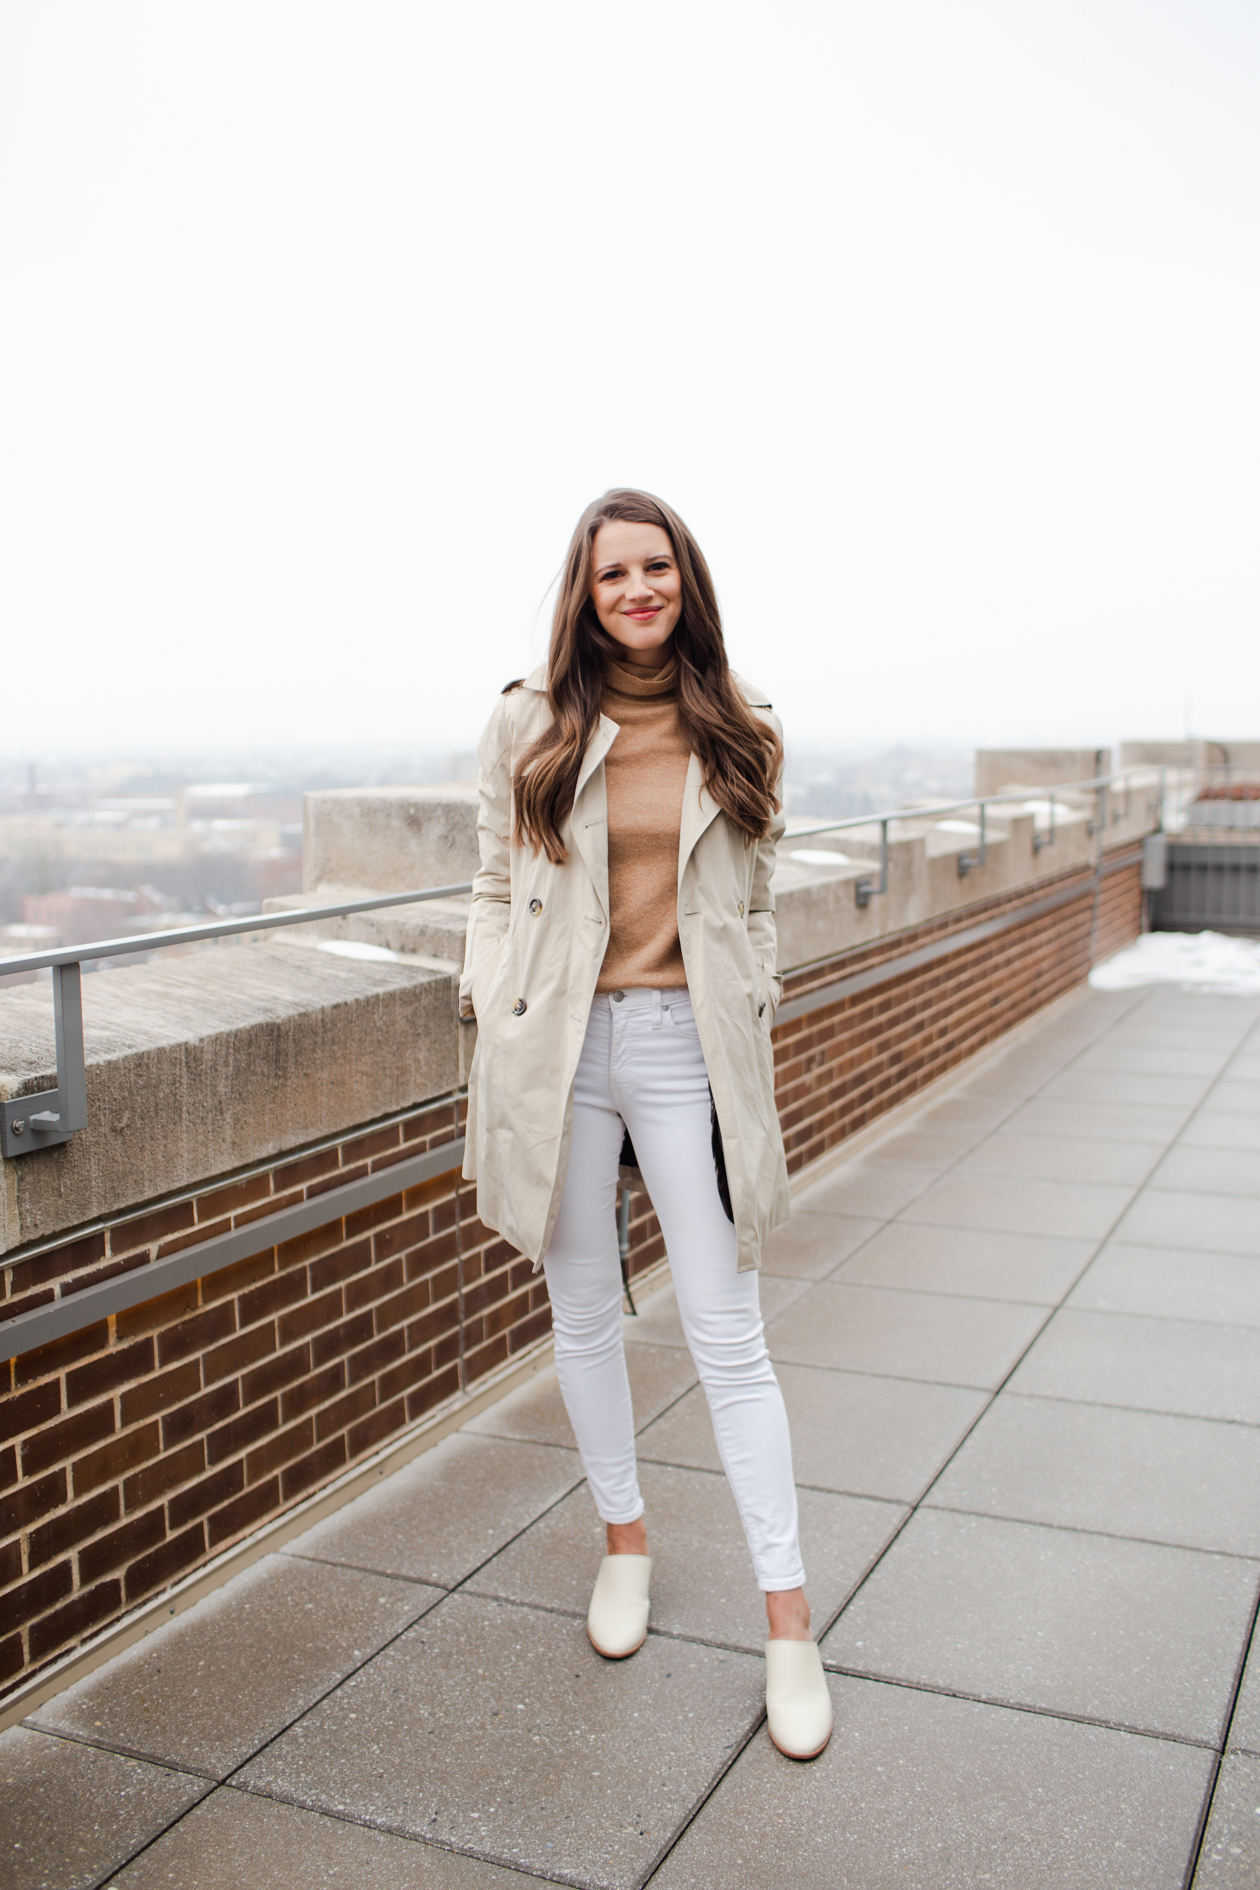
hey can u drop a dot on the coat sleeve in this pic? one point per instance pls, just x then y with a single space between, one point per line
492 883
761 925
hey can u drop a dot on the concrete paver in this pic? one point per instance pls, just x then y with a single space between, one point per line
1014 1076
874 1190
1244 1733
1100 1626
966 1110
1127 1086
443 1515
702 1582
1173 1033
1167 1217
811 1245
1169 1283
1209 1171
1036 1268
1147 1059
235 1840
1223 1129
851 1431
1241 1093
1102 1121
923 1144
1125 1473
1022 1204
204 1690
496 1729
951 1340
70 1813
942 1794
1196 1369
1016 1338
1230 1857
1061 1158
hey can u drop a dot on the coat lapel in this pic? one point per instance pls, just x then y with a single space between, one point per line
589 819
699 810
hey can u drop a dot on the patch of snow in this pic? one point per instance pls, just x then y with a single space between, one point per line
815 856
957 826
352 948
1197 961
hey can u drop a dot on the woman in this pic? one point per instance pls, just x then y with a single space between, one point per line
621 968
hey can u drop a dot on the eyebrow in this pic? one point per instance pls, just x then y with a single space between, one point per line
615 564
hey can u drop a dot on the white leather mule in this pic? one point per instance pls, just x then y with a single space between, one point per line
798 1704
617 1618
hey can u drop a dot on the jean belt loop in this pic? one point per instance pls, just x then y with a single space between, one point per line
656 1010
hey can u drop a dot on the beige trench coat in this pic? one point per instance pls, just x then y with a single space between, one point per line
537 935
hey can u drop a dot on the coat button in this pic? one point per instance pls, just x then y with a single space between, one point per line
618 997
519 1008
535 906
741 908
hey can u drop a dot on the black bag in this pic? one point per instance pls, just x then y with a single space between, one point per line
628 1163
719 1163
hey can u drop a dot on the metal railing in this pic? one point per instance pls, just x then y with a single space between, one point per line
51 1116
1107 811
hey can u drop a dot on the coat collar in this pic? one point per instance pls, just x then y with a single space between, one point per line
589 819
699 811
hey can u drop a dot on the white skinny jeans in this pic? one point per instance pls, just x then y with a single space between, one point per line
642 1066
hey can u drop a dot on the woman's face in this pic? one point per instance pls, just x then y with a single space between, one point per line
636 588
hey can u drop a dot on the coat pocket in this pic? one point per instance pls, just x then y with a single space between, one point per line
485 976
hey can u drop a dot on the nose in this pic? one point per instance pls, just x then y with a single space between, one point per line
639 584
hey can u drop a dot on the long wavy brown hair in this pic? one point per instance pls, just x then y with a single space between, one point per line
741 755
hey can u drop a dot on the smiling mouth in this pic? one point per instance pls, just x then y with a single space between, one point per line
644 616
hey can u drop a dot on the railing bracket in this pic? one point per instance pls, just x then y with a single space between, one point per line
865 889
52 1116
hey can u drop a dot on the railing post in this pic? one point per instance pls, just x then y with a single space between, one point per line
864 889
52 1116
967 860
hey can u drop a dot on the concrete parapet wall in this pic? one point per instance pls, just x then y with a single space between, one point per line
389 839
1000 768
818 913
1198 753
204 1064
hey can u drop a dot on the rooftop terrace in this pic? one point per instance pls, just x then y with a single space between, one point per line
1019 1337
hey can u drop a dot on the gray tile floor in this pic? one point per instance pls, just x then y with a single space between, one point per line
1019 1341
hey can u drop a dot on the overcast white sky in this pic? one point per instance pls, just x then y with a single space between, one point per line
937 320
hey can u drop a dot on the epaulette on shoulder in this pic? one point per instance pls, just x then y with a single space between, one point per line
509 687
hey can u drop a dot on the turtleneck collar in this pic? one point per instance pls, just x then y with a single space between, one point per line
638 680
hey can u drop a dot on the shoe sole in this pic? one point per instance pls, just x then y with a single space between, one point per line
802 1757
604 1653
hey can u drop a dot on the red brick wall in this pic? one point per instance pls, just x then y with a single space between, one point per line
847 1063
140 1447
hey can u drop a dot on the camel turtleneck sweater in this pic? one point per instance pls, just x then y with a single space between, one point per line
646 772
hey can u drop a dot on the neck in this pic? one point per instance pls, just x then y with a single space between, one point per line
644 659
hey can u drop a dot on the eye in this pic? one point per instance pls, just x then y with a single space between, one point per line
659 564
